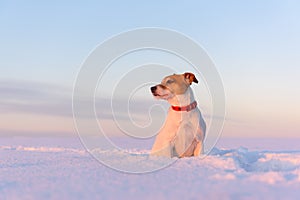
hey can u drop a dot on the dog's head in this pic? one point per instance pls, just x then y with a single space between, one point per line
172 85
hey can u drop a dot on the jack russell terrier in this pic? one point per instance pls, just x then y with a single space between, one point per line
183 132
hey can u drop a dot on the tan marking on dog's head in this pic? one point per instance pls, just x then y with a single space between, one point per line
178 83
174 84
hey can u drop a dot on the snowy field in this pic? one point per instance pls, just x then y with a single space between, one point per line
52 168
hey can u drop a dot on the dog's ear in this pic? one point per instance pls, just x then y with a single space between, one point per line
190 77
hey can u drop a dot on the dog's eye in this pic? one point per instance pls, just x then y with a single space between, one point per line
170 81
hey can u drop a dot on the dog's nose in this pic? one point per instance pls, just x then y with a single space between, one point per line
153 89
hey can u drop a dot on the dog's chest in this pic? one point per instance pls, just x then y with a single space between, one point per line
177 118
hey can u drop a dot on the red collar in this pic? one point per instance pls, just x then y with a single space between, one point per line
185 108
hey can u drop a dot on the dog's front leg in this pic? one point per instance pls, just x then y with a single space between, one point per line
199 148
164 149
184 143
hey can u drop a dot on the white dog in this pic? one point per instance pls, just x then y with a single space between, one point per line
184 130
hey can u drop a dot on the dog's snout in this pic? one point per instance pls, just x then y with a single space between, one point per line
153 89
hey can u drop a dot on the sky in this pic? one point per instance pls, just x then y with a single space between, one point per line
255 46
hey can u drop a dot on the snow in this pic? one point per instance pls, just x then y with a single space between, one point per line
60 168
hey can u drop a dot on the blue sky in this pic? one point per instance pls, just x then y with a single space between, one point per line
255 46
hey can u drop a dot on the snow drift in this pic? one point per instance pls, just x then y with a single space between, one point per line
69 172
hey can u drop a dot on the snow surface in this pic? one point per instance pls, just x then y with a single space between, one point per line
60 168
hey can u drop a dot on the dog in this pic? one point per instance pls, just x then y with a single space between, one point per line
183 132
